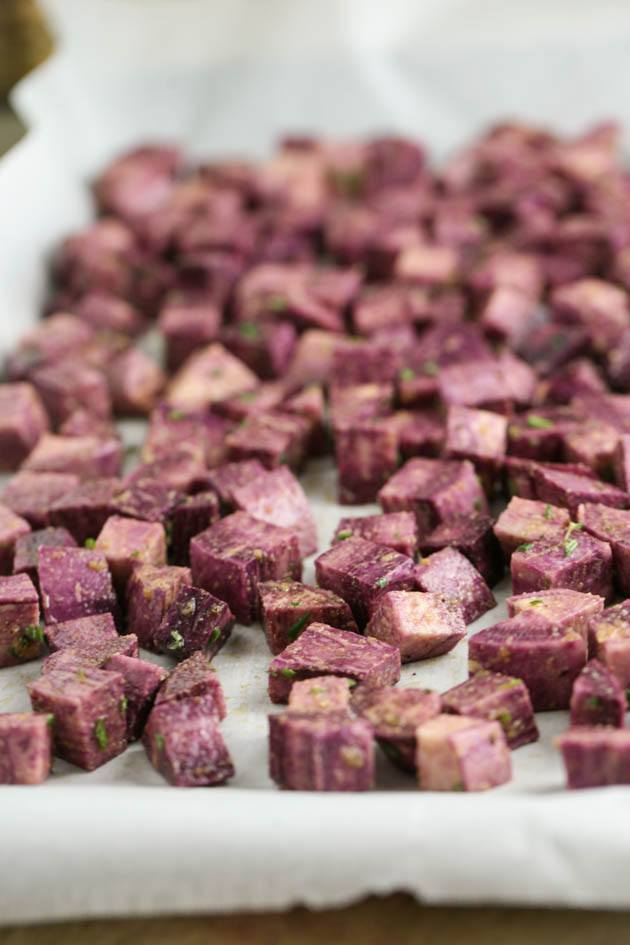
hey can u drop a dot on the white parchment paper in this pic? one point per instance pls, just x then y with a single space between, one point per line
228 77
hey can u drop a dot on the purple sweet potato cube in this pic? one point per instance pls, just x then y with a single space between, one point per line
88 706
266 397
595 757
194 678
366 453
364 361
420 433
68 385
473 536
477 435
109 313
265 347
312 358
13 529
188 321
597 697
575 378
275 496
288 607
310 404
87 457
451 575
427 265
609 640
172 430
485 385
322 694
326 651
147 499
209 375
621 462
21 637
351 405
613 526
395 715
561 606
273 437
74 582
83 511
82 633
570 490
547 658
320 752
141 683
184 744
32 495
597 306
150 592
526 520
540 434
593 443
360 571
435 490
51 340
23 421
507 314
192 515
235 554
576 561
195 621
183 470
135 381
230 476
499 698
397 530
26 745
420 625
126 542
458 753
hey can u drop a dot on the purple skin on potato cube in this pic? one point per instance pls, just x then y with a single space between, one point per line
288 607
325 651
577 377
84 510
235 554
225 479
363 361
561 606
52 339
473 536
69 385
457 753
266 347
32 495
435 490
595 757
13 529
486 385
593 443
597 306
394 715
194 678
545 657
576 561
195 621
321 694
360 571
505 267
420 625
519 475
74 582
495 697
191 516
597 697
187 322
26 744
276 497
571 490
21 637
609 640
184 744
366 453
310 404
613 526
150 500
126 542
23 421
150 593
208 376
135 381
477 435
141 683
108 313
451 575
320 753
397 530
88 706
526 520
85 456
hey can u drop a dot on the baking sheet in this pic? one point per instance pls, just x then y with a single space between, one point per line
225 78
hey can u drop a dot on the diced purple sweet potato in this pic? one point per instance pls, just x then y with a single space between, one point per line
188 321
458 753
235 554
484 385
83 511
68 385
273 437
526 520
397 530
126 542
421 625
561 606
32 495
209 375
89 714
394 715
427 265
547 658
74 582
265 347
506 267
420 433
435 490
576 561
540 434
23 421
575 378
26 746
195 621
194 678
310 404
150 593
288 607
366 453
473 536
172 430
184 744
451 575
320 752
109 313
477 435
183 470
595 757
325 651
51 340
496 697
364 361
507 314
141 683
275 496
519 475
266 397
360 571
230 476
87 457
597 697
146 499
613 526
192 515
312 358
351 405
135 381
83 633
597 306
321 694
13 529
570 490
609 640
21 637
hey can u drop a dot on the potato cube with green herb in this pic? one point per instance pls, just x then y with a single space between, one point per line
195 621
366 453
127 542
526 520
184 744
150 592
499 698
472 535
597 697
477 435
194 678
561 606
576 561
141 682
449 573
288 607
571 489
609 640
12 529
396 530
75 582
21 637
84 510
395 715
613 526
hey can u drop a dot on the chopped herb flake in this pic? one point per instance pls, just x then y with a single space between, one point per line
299 625
431 368
89 543
177 641
407 374
176 415
100 734
526 546
123 705
382 582
570 546
214 636
548 513
277 303
345 533
594 702
287 673
535 602
159 741
249 330
538 423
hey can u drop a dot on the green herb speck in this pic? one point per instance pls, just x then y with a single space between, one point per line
594 702
176 642
382 582
548 513
249 330
89 543
431 368
277 303
100 734
214 636
535 602
159 741
287 673
176 415
123 705
570 546
407 374
294 631
538 423
526 546
346 533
